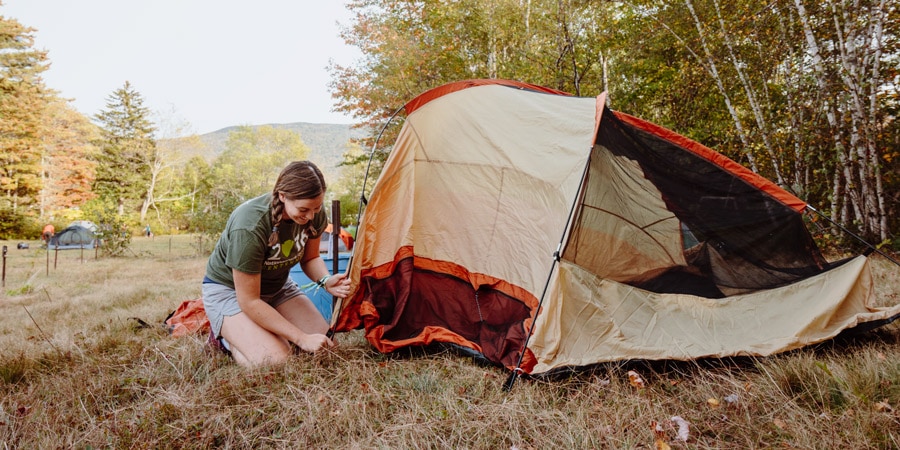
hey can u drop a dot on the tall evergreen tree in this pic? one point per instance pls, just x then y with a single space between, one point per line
126 150
23 97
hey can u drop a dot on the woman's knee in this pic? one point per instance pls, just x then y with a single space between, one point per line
266 355
255 345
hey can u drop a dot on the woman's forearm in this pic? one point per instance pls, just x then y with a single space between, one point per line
315 269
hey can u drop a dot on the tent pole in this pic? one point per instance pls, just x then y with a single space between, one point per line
514 375
857 237
362 195
362 203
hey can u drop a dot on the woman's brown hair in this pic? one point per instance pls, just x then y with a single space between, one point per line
298 180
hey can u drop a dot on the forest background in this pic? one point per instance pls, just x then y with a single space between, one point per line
804 93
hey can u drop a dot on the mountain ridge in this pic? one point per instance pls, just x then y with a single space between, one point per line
327 142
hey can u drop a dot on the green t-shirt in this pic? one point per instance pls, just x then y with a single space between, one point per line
244 245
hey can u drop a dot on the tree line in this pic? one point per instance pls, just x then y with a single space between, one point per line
124 168
802 92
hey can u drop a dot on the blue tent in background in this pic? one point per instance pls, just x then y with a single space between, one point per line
74 236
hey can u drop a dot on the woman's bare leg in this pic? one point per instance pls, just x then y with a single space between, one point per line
253 345
301 312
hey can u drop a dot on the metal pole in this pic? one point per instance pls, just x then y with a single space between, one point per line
336 257
48 258
335 234
55 256
4 266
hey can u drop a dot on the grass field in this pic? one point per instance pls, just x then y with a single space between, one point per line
86 363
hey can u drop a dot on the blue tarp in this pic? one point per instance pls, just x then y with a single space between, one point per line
323 300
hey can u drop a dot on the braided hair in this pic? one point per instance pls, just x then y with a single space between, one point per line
299 180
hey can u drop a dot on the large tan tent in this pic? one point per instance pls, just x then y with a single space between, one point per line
543 231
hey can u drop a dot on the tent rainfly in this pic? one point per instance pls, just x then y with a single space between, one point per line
546 231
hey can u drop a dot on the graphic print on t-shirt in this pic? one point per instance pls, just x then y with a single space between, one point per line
286 253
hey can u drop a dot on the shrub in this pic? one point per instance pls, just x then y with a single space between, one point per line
16 225
113 232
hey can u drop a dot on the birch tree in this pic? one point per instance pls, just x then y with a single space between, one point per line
798 91
175 140
852 81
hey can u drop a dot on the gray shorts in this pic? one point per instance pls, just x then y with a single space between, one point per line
220 301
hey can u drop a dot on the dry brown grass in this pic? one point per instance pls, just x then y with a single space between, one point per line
78 370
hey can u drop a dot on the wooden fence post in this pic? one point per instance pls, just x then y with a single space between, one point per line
4 266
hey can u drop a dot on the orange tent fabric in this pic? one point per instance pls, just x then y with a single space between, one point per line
545 231
344 234
188 318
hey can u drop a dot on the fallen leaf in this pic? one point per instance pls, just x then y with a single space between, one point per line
684 429
712 402
732 399
883 406
661 445
658 430
635 379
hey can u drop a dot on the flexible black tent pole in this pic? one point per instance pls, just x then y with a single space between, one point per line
362 195
362 203
514 375
854 235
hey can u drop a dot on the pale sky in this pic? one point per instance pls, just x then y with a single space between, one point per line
209 63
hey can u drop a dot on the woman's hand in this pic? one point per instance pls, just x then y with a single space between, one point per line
338 285
313 342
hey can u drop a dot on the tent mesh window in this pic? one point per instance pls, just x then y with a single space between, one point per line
733 236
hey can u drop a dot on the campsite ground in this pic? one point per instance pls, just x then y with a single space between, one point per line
85 362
